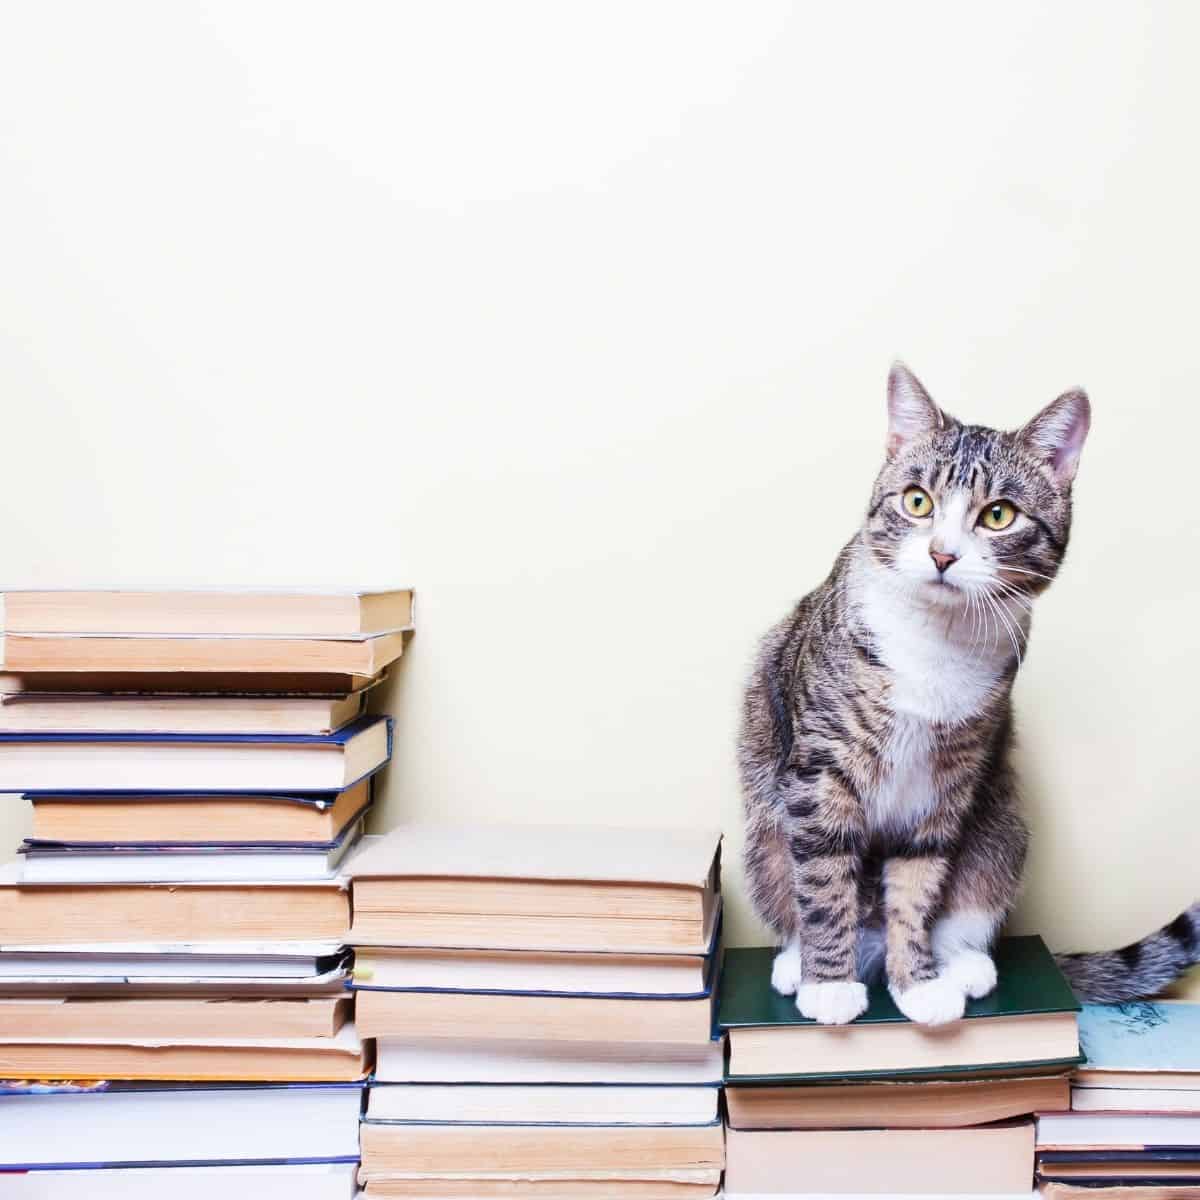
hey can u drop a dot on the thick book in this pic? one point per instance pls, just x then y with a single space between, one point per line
508 1104
895 1104
1026 1026
267 611
126 762
156 1124
33 712
268 1181
98 653
46 914
341 1058
477 1060
1140 1045
577 888
73 863
164 818
958 1162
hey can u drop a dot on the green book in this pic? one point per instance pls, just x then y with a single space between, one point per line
1026 1026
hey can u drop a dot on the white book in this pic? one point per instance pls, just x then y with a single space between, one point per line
1074 1130
530 1062
157 1124
1135 1100
542 1105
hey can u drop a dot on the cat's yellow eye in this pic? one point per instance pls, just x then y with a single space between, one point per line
917 502
1000 514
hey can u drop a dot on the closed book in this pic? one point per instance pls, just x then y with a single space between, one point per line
99 817
1140 1045
266 611
33 712
1087 1098
955 1162
579 888
583 1185
1121 1166
340 1058
295 1181
74 863
895 1104
1083 1191
1027 1025
239 655
126 762
1101 1131
157 1124
329 685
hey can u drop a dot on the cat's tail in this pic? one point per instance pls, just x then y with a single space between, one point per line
1139 970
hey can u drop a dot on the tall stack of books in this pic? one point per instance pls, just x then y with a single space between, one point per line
1133 1128
886 1106
543 1004
174 1016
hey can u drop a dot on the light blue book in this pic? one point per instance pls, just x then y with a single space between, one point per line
1141 1037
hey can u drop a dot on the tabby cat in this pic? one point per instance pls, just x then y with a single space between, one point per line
882 820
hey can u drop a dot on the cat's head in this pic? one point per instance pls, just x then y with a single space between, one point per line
963 509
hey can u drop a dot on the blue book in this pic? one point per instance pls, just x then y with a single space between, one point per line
1138 1039
214 763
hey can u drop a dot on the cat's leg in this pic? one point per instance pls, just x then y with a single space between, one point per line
769 883
788 968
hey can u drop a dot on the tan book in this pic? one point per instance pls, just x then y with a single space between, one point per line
1117 1169
501 1149
338 1059
539 888
961 1162
156 818
29 652
271 612
35 712
1067 1191
702 1184
327 685
936 1104
557 1018
117 913
74 1018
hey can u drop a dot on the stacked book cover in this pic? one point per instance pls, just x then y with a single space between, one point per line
1133 1127
886 1106
173 933
543 1003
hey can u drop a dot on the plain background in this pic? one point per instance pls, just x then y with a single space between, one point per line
578 318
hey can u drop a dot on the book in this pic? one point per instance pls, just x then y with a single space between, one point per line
295 1181
573 888
75 1017
26 653
1140 1045
1066 1191
501 1104
153 1124
960 1162
1085 1098
196 762
338 1059
250 912
430 1149
74 863
166 818
1105 1131
581 1185
297 611
923 1104
490 1061
328 685
1118 1168
1026 1026
34 712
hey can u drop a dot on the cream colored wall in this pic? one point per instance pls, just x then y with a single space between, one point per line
578 316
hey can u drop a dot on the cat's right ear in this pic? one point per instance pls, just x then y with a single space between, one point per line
911 413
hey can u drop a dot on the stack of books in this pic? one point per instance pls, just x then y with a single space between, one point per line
543 1004
173 934
1134 1122
886 1106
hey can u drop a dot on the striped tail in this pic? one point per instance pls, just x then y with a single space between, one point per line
1140 970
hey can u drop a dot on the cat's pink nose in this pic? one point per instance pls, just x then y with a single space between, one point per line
943 562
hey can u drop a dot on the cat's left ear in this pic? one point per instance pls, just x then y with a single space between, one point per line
1058 432
911 412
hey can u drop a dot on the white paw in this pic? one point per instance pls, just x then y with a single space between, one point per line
785 973
972 972
832 1003
934 1002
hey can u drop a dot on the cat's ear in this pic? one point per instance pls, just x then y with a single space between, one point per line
1056 435
911 413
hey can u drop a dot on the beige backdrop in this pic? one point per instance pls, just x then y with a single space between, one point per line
578 317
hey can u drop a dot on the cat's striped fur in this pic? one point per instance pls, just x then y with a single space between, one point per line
882 818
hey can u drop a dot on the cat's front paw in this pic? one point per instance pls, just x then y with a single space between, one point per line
786 970
934 1002
972 972
832 1003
